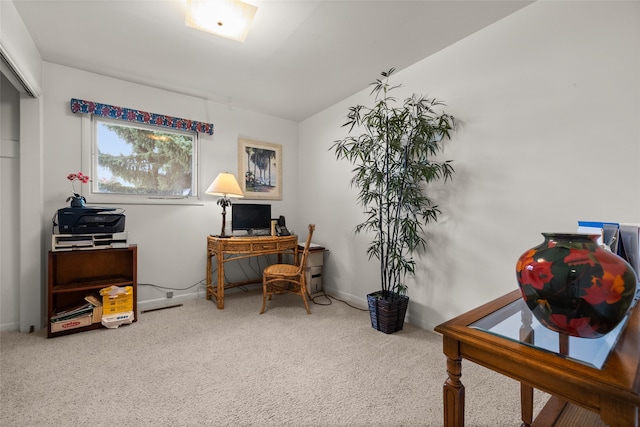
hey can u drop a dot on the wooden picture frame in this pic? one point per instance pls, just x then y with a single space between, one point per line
260 169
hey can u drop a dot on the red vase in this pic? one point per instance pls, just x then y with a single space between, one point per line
574 286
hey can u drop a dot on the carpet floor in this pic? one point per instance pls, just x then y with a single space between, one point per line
195 365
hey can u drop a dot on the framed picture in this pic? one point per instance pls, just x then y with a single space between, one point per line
260 169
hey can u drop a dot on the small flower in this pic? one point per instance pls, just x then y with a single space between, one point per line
78 176
73 177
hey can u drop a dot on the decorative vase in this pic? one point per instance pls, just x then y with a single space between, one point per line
387 312
77 201
575 287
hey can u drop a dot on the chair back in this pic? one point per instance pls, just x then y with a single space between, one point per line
305 252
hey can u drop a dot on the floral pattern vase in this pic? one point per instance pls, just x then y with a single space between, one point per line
575 287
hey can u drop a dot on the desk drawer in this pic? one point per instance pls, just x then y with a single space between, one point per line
266 246
239 247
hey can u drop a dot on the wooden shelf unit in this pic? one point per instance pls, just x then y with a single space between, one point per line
76 274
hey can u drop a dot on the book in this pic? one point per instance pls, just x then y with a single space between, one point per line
72 312
630 237
609 233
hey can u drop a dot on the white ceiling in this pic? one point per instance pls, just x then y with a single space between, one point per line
300 57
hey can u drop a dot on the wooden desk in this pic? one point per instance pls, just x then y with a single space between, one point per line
235 248
612 391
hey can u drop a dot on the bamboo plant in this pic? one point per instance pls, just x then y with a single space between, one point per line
394 149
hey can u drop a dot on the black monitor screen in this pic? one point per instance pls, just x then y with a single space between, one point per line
247 216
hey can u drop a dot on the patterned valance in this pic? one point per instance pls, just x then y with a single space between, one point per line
129 114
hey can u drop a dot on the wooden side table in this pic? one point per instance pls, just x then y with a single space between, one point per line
236 248
602 375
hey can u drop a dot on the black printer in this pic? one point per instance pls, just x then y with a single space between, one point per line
90 220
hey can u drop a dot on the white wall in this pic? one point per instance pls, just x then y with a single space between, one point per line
18 47
22 268
9 212
548 103
171 239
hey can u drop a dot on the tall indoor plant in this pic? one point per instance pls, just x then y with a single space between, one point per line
394 149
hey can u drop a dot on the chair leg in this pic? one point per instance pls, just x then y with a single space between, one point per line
304 298
264 295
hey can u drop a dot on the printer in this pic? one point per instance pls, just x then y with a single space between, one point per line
90 220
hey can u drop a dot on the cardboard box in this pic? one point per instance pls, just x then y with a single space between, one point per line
76 322
97 315
112 321
116 300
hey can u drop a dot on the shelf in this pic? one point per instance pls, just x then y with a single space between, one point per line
92 284
69 242
72 275
557 413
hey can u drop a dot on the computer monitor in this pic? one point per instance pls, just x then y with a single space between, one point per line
252 217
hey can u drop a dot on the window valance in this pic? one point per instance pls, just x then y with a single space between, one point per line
129 114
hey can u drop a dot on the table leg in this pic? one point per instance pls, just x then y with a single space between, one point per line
220 284
526 404
563 344
209 286
618 414
527 334
453 390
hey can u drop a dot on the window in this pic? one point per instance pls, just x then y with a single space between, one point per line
132 159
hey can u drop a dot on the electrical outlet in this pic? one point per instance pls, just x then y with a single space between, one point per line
169 294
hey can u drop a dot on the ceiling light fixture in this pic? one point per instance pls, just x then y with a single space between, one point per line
225 18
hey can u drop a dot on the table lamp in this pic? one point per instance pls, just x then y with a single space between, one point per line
224 185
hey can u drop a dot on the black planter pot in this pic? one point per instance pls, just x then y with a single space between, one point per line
387 312
77 201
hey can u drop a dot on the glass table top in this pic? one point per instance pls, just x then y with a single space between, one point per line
510 322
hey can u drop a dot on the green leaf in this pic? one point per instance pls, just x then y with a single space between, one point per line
394 150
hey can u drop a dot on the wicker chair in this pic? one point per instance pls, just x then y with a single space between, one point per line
281 278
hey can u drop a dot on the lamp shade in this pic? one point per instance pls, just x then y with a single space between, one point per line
225 185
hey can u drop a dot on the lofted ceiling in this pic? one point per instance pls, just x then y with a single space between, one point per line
300 57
